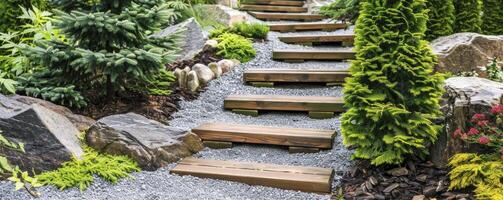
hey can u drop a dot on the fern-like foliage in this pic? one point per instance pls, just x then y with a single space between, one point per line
11 10
393 94
468 16
233 46
485 172
440 18
79 173
493 17
248 30
345 10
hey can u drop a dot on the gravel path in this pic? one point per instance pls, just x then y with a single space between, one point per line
209 108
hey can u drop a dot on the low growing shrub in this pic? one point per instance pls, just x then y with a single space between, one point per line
248 30
79 173
233 46
484 171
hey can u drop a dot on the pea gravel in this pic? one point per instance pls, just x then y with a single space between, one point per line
209 108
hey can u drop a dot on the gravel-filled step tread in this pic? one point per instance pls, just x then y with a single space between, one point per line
302 39
276 2
297 137
307 179
295 75
284 103
307 26
270 8
312 54
286 16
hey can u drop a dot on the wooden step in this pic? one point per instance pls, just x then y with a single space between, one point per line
303 39
301 55
287 16
268 8
265 135
295 76
311 26
307 179
319 107
276 2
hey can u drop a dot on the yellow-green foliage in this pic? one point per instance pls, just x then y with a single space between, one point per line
248 30
79 173
484 172
233 46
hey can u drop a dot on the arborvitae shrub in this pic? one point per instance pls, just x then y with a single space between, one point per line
10 10
493 17
393 94
468 16
440 18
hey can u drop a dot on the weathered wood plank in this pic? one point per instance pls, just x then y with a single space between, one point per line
295 75
308 179
284 103
287 16
268 8
312 54
299 39
265 135
311 26
276 2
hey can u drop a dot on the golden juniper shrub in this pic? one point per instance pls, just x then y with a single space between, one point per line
484 172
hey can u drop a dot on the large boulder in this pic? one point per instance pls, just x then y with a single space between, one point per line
148 142
193 37
464 97
223 14
466 52
49 138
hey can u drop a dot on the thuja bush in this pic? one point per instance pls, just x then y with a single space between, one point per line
393 95
11 9
346 10
233 46
493 17
440 18
482 170
468 16
108 48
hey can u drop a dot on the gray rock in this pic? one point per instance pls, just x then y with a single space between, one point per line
465 96
419 197
466 51
204 73
429 191
226 65
49 138
194 38
148 142
211 44
216 69
401 171
192 81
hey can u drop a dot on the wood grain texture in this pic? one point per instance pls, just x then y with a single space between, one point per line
308 179
306 26
276 2
312 54
298 39
295 75
287 16
265 135
269 8
284 103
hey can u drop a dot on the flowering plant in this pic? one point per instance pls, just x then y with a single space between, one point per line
485 129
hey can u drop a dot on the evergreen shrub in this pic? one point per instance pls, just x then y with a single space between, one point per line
233 46
493 17
440 18
468 16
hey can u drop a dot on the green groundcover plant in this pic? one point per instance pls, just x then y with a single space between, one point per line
393 94
440 18
248 30
493 17
468 16
483 170
233 46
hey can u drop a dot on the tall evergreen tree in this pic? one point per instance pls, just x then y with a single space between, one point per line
468 16
108 48
393 94
440 18
493 17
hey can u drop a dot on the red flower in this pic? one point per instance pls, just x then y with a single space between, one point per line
457 133
483 123
484 140
497 109
473 131
478 117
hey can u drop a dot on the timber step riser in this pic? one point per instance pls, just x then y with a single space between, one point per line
267 8
277 3
287 16
293 137
295 76
296 55
306 27
317 39
307 179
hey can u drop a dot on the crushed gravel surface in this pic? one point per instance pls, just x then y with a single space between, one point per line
209 108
